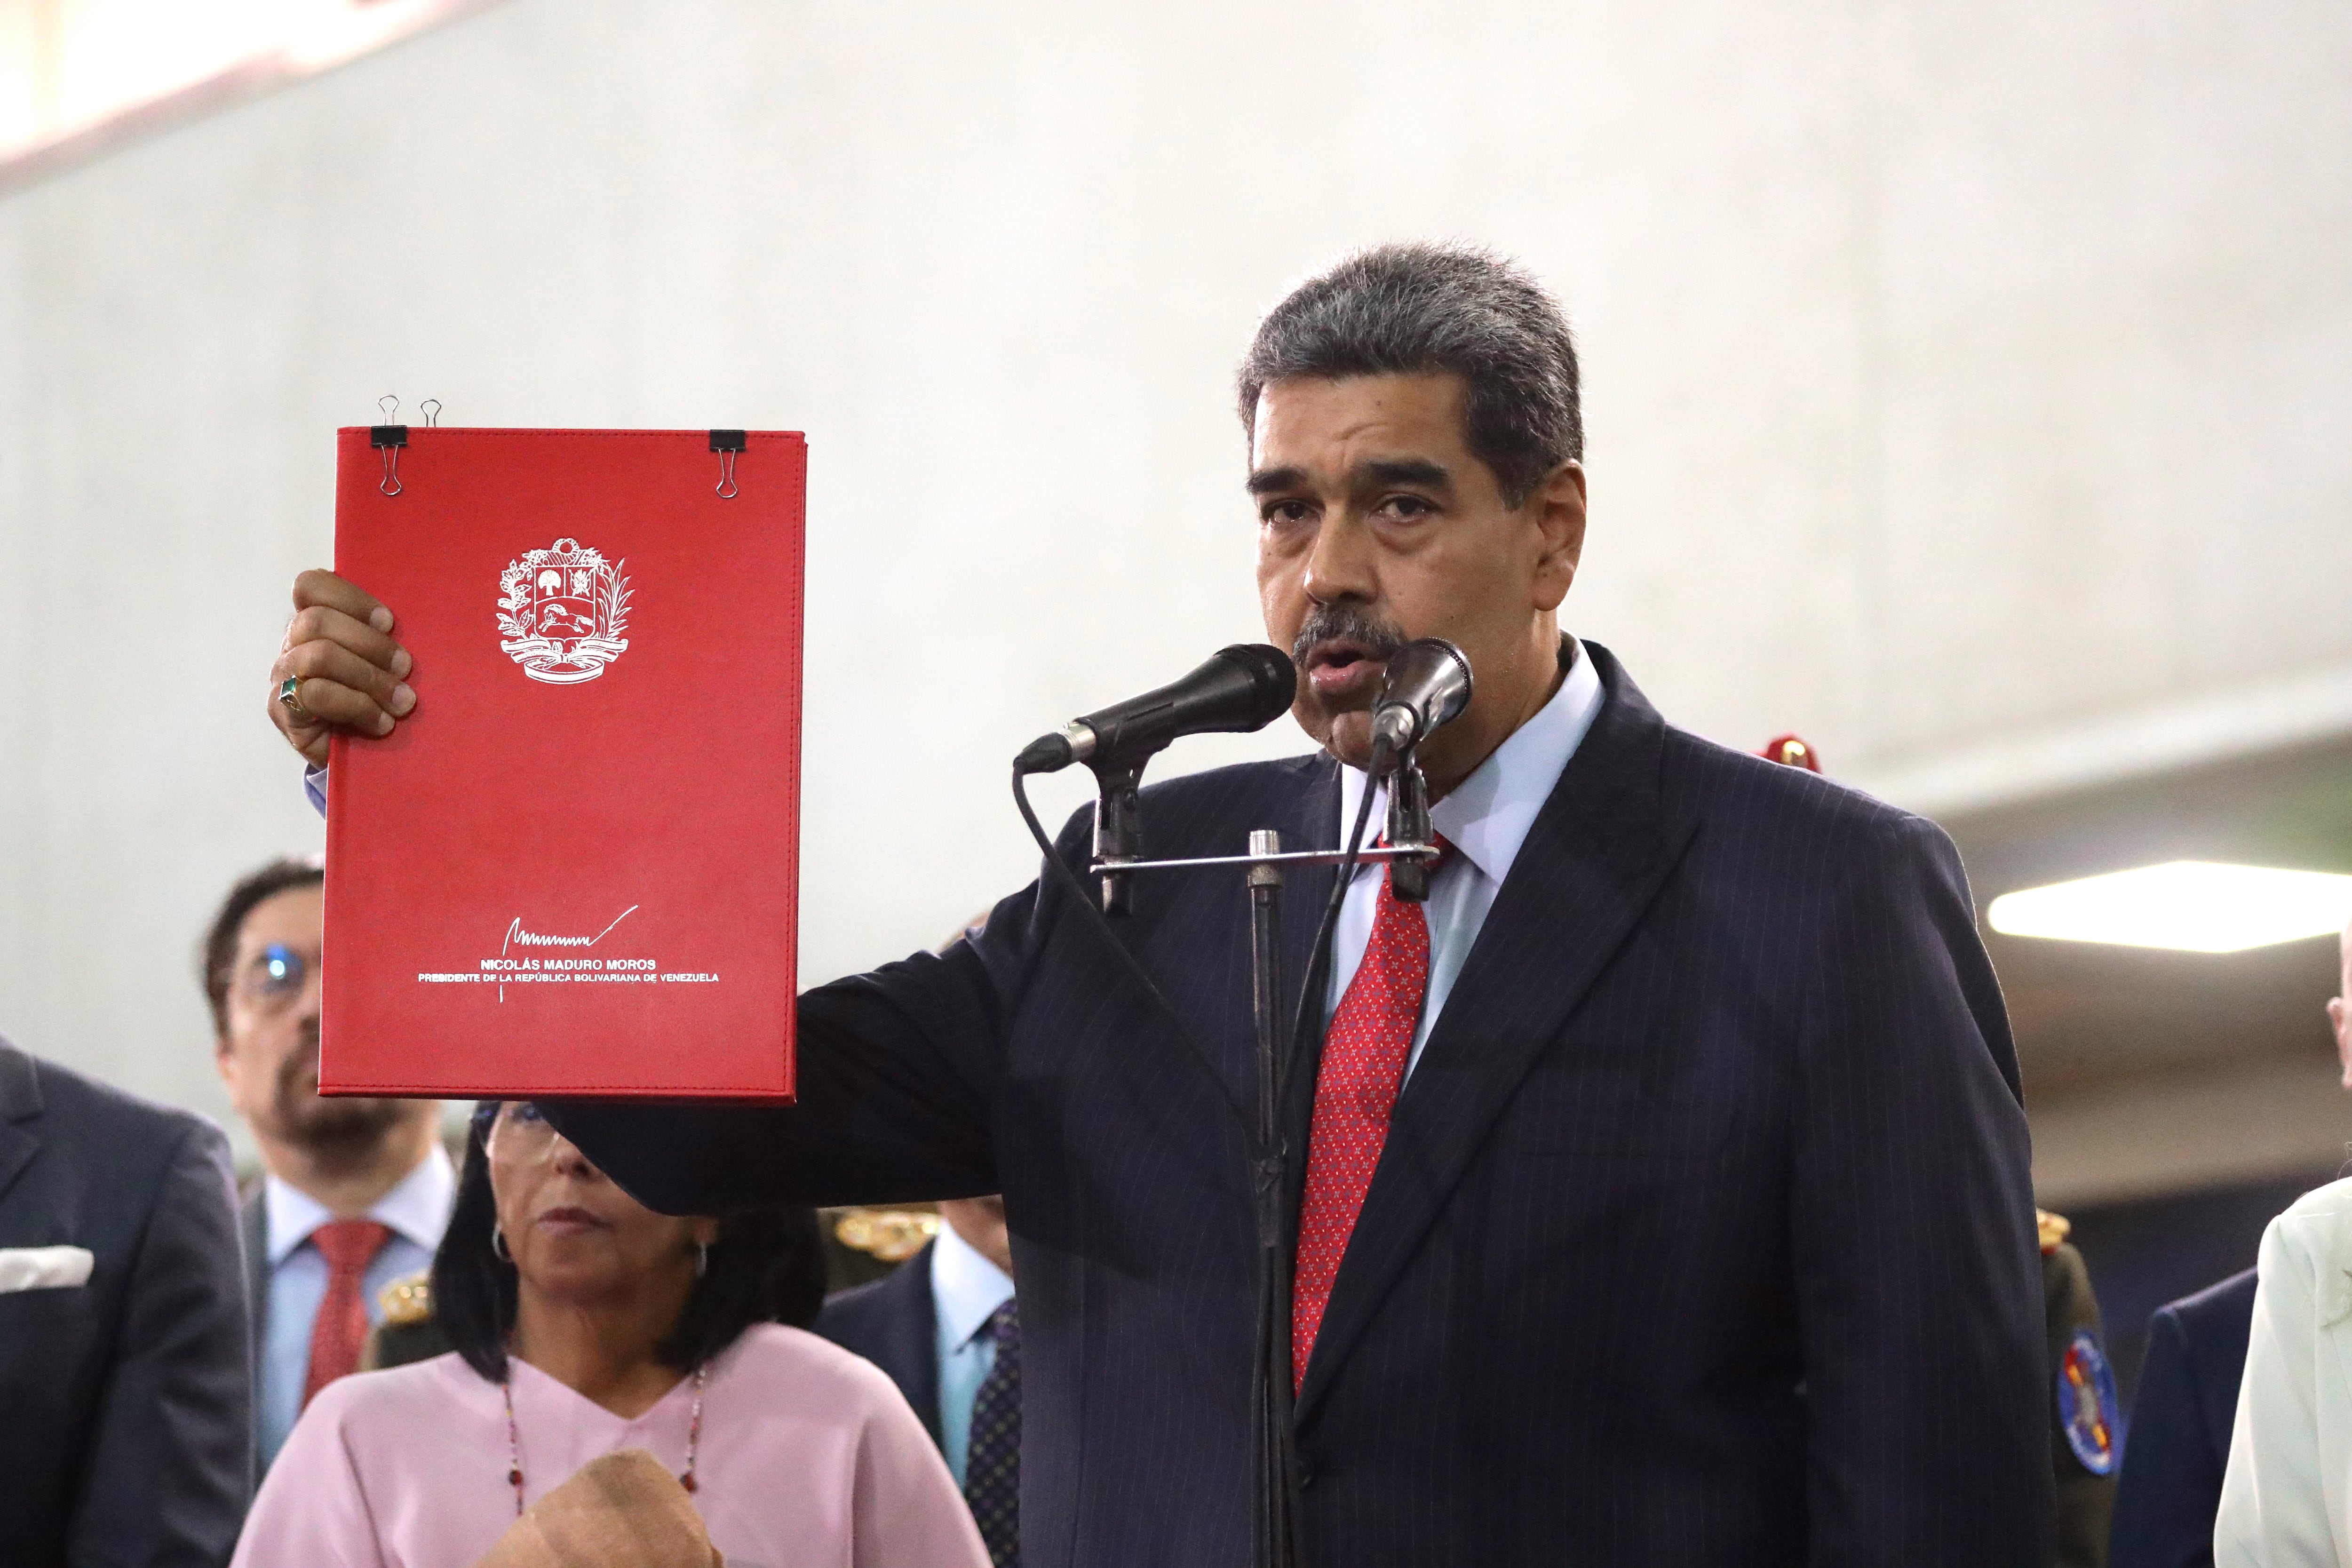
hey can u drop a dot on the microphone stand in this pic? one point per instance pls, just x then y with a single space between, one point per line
1410 852
1118 832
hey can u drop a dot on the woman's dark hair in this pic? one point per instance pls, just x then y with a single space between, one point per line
767 1266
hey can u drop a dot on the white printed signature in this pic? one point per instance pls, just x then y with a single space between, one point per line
518 937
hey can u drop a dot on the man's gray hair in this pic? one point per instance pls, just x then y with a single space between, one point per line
1413 310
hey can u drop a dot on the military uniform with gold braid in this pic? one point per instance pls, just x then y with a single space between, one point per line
407 1332
862 1245
2082 1402
2082 1438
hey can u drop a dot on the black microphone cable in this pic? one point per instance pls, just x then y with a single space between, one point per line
1078 893
1319 951
1319 954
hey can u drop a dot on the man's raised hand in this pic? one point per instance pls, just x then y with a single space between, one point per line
348 672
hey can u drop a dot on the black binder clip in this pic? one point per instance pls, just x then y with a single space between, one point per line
727 444
389 439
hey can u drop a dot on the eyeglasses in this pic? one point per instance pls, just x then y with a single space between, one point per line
276 978
519 1134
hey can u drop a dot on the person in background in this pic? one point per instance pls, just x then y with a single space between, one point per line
2083 1406
2283 1501
126 1415
2085 1436
354 1191
947 1329
586 1326
2188 1387
2172 1483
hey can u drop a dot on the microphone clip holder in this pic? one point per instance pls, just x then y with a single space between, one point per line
1409 824
1118 832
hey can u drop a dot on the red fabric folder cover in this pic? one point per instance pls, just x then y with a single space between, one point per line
574 870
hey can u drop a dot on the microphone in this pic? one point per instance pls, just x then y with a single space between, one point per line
1428 685
1245 686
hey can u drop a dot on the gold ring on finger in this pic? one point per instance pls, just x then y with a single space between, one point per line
290 693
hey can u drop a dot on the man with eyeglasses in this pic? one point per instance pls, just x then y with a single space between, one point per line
355 1192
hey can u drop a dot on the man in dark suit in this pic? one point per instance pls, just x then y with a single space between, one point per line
942 1326
2171 1488
126 1414
1661 1186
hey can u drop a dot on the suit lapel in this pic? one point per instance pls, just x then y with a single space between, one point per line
1596 857
916 1326
20 1104
256 1225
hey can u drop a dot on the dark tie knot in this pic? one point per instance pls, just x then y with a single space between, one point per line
1003 1324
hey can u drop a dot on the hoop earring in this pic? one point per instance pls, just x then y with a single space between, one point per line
498 1244
701 1258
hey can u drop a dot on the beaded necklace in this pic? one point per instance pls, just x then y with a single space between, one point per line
514 1438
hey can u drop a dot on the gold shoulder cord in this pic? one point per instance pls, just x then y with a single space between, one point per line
891 1235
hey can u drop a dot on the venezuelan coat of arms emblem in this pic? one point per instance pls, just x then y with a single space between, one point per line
562 612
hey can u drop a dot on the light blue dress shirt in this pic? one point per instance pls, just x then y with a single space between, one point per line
966 1290
1486 817
416 1211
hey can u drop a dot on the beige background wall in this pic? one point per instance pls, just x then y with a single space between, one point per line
1965 386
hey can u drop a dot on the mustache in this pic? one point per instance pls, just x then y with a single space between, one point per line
1343 621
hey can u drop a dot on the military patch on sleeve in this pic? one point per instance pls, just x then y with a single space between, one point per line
2086 1403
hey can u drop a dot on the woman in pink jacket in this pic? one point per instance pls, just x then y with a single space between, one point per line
585 1324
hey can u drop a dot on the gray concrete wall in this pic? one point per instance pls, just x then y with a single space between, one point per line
1965 386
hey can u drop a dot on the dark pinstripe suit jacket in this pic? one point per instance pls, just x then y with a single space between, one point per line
1703 1233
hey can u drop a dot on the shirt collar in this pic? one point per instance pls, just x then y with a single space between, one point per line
966 1287
1490 813
416 1209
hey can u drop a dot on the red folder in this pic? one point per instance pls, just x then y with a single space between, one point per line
574 870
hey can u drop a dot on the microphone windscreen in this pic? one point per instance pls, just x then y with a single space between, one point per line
1273 679
1430 677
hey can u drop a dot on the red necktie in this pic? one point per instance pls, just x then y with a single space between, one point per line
1355 1087
348 1245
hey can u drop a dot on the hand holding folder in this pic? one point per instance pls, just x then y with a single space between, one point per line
562 843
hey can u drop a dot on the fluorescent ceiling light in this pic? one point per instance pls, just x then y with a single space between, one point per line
2195 906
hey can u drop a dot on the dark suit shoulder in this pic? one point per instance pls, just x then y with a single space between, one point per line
109 1122
1707 774
1217 795
2222 1313
1211 788
866 1315
1820 845
2211 1329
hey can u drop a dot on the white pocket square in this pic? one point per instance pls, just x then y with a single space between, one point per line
43 1268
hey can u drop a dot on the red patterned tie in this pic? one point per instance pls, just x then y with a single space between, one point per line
348 1245
1355 1090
